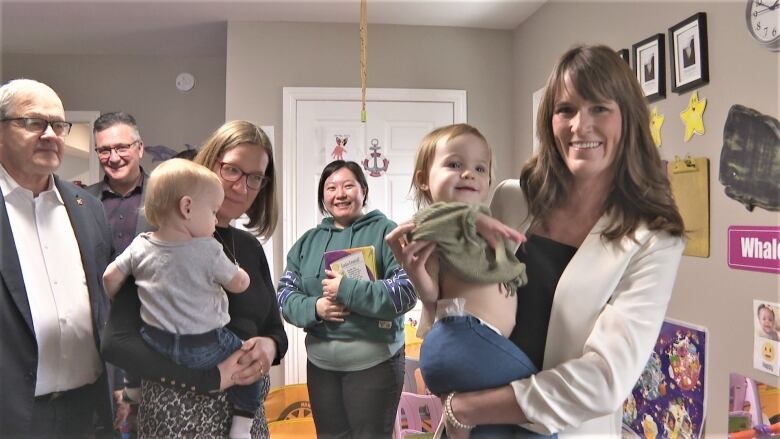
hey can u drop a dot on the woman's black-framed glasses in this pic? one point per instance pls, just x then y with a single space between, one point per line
38 125
233 173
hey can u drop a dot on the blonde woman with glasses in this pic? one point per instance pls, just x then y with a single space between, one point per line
178 401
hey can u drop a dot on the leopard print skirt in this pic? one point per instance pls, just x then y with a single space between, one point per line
166 412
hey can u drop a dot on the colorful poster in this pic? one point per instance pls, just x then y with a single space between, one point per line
668 400
766 342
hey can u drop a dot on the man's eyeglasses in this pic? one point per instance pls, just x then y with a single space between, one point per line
123 149
232 174
38 125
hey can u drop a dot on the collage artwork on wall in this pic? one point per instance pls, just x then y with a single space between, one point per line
668 400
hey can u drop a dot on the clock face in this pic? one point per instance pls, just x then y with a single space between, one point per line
762 19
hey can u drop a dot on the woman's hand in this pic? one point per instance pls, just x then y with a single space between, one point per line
248 364
413 257
491 230
331 310
228 370
330 286
259 354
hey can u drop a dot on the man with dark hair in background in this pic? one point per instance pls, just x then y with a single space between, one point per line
120 148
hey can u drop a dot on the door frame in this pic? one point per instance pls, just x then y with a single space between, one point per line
294 361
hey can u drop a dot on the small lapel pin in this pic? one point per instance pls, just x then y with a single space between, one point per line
79 201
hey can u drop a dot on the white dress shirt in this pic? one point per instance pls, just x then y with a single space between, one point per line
56 287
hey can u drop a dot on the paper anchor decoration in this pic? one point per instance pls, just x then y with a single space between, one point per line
692 116
656 120
371 163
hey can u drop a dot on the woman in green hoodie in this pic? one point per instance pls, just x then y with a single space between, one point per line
354 340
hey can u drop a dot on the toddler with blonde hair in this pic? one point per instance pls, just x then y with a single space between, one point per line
465 273
180 271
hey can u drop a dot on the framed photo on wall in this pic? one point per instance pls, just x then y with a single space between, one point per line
688 53
650 67
623 53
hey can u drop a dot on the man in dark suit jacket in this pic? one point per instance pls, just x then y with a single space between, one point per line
120 149
54 246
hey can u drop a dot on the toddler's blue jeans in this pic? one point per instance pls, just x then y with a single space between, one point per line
204 351
460 354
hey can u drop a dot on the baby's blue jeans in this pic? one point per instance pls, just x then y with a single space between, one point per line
204 351
460 354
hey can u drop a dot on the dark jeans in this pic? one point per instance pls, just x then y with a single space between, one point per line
460 354
204 351
359 404
69 414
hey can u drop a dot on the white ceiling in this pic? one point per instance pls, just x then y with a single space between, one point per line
199 27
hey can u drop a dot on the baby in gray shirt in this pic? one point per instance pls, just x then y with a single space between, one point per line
180 271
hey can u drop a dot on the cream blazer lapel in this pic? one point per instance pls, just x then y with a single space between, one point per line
589 280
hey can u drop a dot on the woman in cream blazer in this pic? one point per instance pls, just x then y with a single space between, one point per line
607 310
596 190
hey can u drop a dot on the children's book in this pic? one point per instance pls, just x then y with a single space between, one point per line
354 263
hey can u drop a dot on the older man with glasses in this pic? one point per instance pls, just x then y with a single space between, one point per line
54 246
119 148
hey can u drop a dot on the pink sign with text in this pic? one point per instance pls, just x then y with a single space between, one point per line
755 248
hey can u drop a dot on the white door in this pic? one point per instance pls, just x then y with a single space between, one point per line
324 124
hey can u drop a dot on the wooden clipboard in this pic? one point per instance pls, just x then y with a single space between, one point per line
690 181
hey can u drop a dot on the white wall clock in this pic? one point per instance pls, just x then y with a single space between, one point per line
762 18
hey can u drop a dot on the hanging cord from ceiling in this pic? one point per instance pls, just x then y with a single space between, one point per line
363 57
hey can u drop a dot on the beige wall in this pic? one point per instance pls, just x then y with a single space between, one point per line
140 85
707 292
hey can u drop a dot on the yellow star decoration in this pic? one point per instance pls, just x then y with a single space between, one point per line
692 116
656 120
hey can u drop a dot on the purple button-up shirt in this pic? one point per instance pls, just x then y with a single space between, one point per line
122 213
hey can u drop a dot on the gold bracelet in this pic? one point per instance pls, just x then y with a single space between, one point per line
451 419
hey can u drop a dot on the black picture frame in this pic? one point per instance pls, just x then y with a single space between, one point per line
688 53
623 53
650 66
